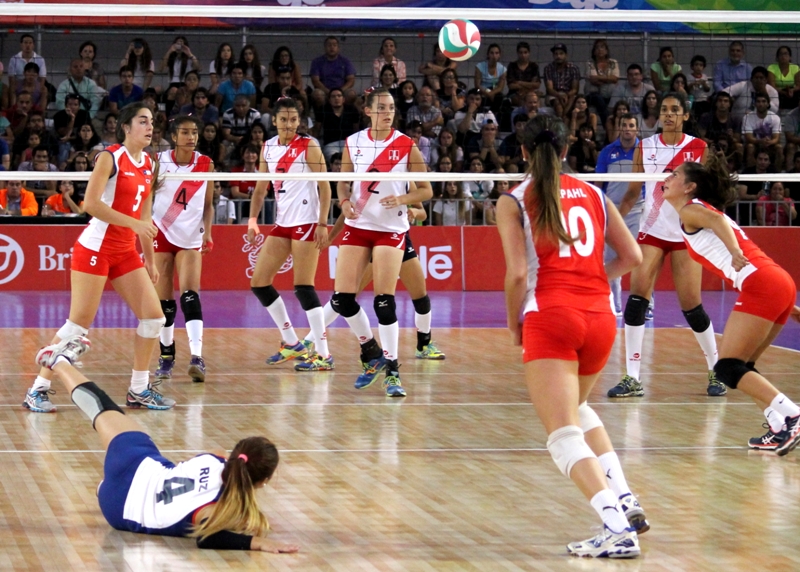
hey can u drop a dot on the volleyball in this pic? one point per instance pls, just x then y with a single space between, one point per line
459 40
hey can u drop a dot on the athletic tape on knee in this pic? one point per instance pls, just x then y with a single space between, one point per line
385 309
730 371
422 305
567 447
150 327
698 319
170 308
635 309
93 401
588 417
345 304
190 306
307 296
70 329
266 294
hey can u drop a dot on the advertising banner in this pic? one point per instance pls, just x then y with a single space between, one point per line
452 258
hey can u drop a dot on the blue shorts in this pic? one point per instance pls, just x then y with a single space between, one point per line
125 453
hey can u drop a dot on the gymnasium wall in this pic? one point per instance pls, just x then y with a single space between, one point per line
453 258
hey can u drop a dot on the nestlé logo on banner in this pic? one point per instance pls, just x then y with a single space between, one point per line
438 265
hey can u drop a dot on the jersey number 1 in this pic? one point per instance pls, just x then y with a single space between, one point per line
582 247
175 487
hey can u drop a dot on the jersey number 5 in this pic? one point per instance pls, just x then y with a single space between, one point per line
139 192
175 487
584 245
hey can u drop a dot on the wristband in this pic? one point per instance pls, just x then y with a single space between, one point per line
341 204
252 224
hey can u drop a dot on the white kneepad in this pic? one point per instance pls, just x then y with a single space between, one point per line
567 447
588 417
70 329
150 327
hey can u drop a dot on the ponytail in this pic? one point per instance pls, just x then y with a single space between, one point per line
714 184
251 462
545 138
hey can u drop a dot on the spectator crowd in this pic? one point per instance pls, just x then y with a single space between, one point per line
750 114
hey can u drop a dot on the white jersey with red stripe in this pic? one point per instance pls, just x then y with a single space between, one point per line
296 202
563 274
179 204
391 155
126 190
659 219
709 250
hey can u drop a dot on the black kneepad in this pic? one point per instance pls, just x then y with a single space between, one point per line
422 305
385 309
344 304
265 294
307 296
751 365
730 371
190 306
635 309
170 308
698 319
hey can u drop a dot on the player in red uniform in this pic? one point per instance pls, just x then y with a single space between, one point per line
553 229
301 230
376 223
659 235
211 497
119 198
183 211
766 300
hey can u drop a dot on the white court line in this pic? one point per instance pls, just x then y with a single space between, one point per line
447 450
409 375
410 404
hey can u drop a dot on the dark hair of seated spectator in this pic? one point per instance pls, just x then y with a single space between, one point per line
634 67
389 81
406 97
85 138
277 65
222 68
250 60
143 60
210 143
335 161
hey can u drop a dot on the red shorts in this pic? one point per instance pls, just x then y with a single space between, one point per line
113 265
768 293
371 238
303 233
162 244
570 334
664 245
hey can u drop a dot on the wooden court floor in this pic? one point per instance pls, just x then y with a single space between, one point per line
454 477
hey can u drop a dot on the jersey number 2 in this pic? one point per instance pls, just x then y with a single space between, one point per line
584 246
175 487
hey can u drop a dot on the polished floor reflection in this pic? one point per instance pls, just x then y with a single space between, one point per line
454 477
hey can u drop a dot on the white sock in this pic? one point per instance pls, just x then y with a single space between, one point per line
390 340
708 343
607 506
140 380
774 420
195 331
330 316
614 475
167 335
40 384
423 322
278 312
634 338
784 406
360 326
316 319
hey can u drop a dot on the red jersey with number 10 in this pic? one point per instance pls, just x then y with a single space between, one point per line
563 274
126 190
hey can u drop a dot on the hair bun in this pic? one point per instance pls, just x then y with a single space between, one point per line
545 136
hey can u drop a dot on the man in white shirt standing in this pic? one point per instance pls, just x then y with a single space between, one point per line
761 131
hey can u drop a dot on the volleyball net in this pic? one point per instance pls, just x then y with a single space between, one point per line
632 36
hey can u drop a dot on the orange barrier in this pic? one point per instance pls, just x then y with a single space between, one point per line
453 258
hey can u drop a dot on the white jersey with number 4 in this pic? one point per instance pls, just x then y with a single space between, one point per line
392 155
296 202
659 219
178 205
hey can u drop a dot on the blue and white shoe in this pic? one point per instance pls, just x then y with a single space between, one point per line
608 544
149 398
288 352
791 436
71 349
634 513
39 401
371 370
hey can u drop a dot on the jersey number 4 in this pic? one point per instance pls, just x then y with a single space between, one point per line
584 243
180 198
175 487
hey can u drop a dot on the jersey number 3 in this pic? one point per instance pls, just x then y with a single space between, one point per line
584 245
175 487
